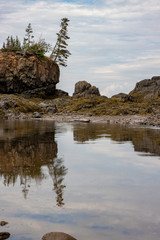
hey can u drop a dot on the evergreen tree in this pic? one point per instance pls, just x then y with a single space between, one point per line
40 48
17 44
8 42
60 53
12 44
28 39
4 45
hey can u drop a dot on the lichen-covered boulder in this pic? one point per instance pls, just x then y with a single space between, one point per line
83 88
26 74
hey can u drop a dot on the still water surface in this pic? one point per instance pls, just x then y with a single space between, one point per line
92 181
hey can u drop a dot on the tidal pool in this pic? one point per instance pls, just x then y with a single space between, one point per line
92 181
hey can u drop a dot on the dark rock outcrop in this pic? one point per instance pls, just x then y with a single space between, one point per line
83 88
147 88
27 74
57 236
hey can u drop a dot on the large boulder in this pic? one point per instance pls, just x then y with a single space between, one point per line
26 74
83 88
147 88
57 236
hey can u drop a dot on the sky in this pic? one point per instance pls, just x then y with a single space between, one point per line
113 43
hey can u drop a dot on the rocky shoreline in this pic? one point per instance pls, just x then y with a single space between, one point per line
131 120
83 110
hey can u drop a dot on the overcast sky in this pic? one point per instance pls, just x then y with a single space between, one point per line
114 43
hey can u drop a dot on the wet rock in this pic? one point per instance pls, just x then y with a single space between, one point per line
57 236
4 235
3 223
37 115
83 88
152 121
83 120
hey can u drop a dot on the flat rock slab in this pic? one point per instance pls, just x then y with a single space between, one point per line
83 120
57 236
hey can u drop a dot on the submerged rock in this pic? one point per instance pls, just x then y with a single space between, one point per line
57 236
4 235
3 223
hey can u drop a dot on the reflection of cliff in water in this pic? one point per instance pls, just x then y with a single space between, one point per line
143 139
25 147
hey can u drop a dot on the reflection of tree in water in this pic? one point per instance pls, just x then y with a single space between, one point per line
24 183
57 171
23 157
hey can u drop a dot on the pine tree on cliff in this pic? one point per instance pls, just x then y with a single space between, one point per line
28 39
12 44
60 53
37 48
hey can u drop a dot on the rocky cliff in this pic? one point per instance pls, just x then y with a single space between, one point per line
21 73
147 88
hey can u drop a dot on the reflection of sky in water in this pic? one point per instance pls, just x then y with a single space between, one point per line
111 193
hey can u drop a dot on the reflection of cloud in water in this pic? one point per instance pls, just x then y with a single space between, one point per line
59 218
106 197
123 153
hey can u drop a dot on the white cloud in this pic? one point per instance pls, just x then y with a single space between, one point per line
115 88
111 42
